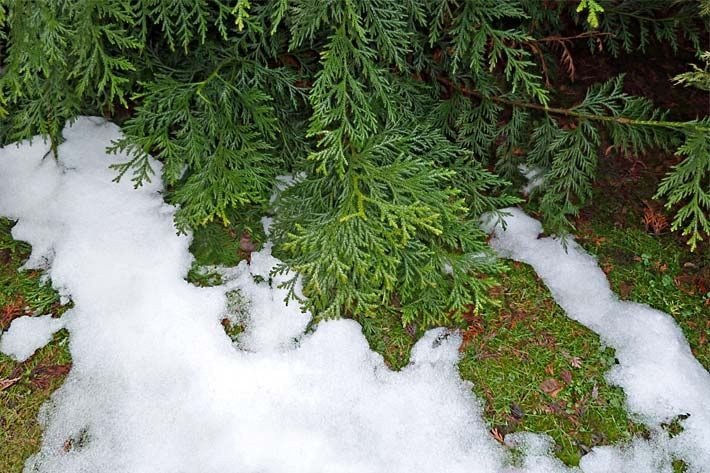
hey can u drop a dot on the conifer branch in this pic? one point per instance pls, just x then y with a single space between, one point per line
571 112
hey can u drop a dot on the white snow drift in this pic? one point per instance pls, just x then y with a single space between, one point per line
157 386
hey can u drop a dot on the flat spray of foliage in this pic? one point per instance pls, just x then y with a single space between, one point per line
401 120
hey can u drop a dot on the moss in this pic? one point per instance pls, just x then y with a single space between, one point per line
540 371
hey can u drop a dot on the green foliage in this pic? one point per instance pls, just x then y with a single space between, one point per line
698 77
214 136
689 184
61 59
567 156
404 122
593 10
393 232
638 24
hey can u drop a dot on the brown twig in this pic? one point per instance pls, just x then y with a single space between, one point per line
585 35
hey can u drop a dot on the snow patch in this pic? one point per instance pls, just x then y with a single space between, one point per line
270 325
535 177
28 334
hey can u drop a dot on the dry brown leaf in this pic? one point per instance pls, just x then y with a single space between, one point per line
8 382
43 375
653 219
551 387
497 435
625 289
11 311
566 376
567 60
5 256
576 362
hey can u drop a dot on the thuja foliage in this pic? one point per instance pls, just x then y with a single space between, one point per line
401 122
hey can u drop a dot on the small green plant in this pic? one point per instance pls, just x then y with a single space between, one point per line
593 10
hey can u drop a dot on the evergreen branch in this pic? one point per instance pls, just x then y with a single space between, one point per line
571 112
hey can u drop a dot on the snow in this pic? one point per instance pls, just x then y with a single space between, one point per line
269 324
27 334
157 386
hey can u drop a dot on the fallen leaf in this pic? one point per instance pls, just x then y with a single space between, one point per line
653 219
554 408
566 376
68 445
516 412
11 311
625 289
411 329
607 268
576 362
8 382
51 370
551 387
4 256
42 376
469 335
497 435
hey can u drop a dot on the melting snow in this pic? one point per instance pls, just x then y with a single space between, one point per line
157 386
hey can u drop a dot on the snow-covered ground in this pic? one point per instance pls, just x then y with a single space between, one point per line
157 386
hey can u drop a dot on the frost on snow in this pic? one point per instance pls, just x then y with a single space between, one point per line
157 386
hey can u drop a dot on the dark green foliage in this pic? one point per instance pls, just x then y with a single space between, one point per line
396 117
638 24
64 56
689 183
378 223
214 135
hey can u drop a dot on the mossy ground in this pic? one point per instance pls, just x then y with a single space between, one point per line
646 266
539 371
